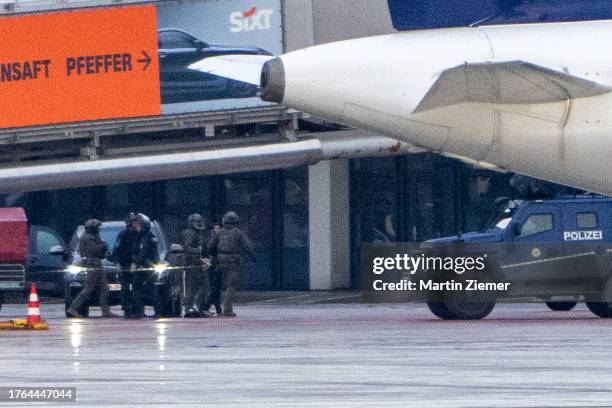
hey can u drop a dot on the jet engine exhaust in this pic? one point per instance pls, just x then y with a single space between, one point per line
273 81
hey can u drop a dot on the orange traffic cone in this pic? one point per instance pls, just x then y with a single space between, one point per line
33 307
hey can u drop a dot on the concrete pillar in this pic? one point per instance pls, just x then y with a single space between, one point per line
329 224
298 25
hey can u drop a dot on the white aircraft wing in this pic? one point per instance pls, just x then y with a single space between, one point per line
245 68
511 82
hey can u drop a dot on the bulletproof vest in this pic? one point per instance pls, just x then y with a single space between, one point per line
146 249
228 241
126 247
91 249
198 238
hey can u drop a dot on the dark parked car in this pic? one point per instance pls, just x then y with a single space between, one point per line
168 270
46 261
179 49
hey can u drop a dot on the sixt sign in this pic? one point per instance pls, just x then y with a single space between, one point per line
582 235
251 20
248 27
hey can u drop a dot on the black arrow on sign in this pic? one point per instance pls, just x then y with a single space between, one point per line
146 60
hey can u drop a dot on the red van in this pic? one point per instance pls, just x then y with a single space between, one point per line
14 242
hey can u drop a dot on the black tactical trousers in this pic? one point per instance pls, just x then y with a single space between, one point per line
215 284
127 279
143 290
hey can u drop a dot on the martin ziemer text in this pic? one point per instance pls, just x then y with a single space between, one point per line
430 285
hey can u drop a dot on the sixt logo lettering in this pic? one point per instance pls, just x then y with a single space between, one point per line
250 20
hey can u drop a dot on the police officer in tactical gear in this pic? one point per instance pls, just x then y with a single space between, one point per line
144 277
195 279
123 254
230 244
215 278
92 250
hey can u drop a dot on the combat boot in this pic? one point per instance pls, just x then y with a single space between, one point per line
72 313
192 313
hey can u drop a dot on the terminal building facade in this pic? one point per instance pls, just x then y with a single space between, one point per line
307 223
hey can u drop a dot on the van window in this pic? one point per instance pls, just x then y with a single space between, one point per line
537 224
45 241
586 220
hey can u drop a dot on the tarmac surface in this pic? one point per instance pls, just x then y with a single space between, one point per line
296 352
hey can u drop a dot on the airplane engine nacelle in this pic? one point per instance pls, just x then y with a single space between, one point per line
503 97
273 81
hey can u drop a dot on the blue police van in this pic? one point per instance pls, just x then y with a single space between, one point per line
558 251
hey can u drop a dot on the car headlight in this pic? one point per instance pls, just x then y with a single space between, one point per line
75 269
160 268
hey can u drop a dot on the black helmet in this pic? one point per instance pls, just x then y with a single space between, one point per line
144 221
131 217
196 221
230 218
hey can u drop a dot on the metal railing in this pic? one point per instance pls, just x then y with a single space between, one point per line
8 7
12 273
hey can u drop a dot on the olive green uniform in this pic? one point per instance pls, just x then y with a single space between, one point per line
92 250
230 244
196 280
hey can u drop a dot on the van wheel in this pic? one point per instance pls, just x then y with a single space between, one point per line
603 309
439 309
561 306
469 305
457 307
466 310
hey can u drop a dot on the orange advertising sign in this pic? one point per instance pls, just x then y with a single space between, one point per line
79 65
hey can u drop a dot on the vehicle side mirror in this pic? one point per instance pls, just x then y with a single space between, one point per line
176 249
57 250
516 229
200 44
